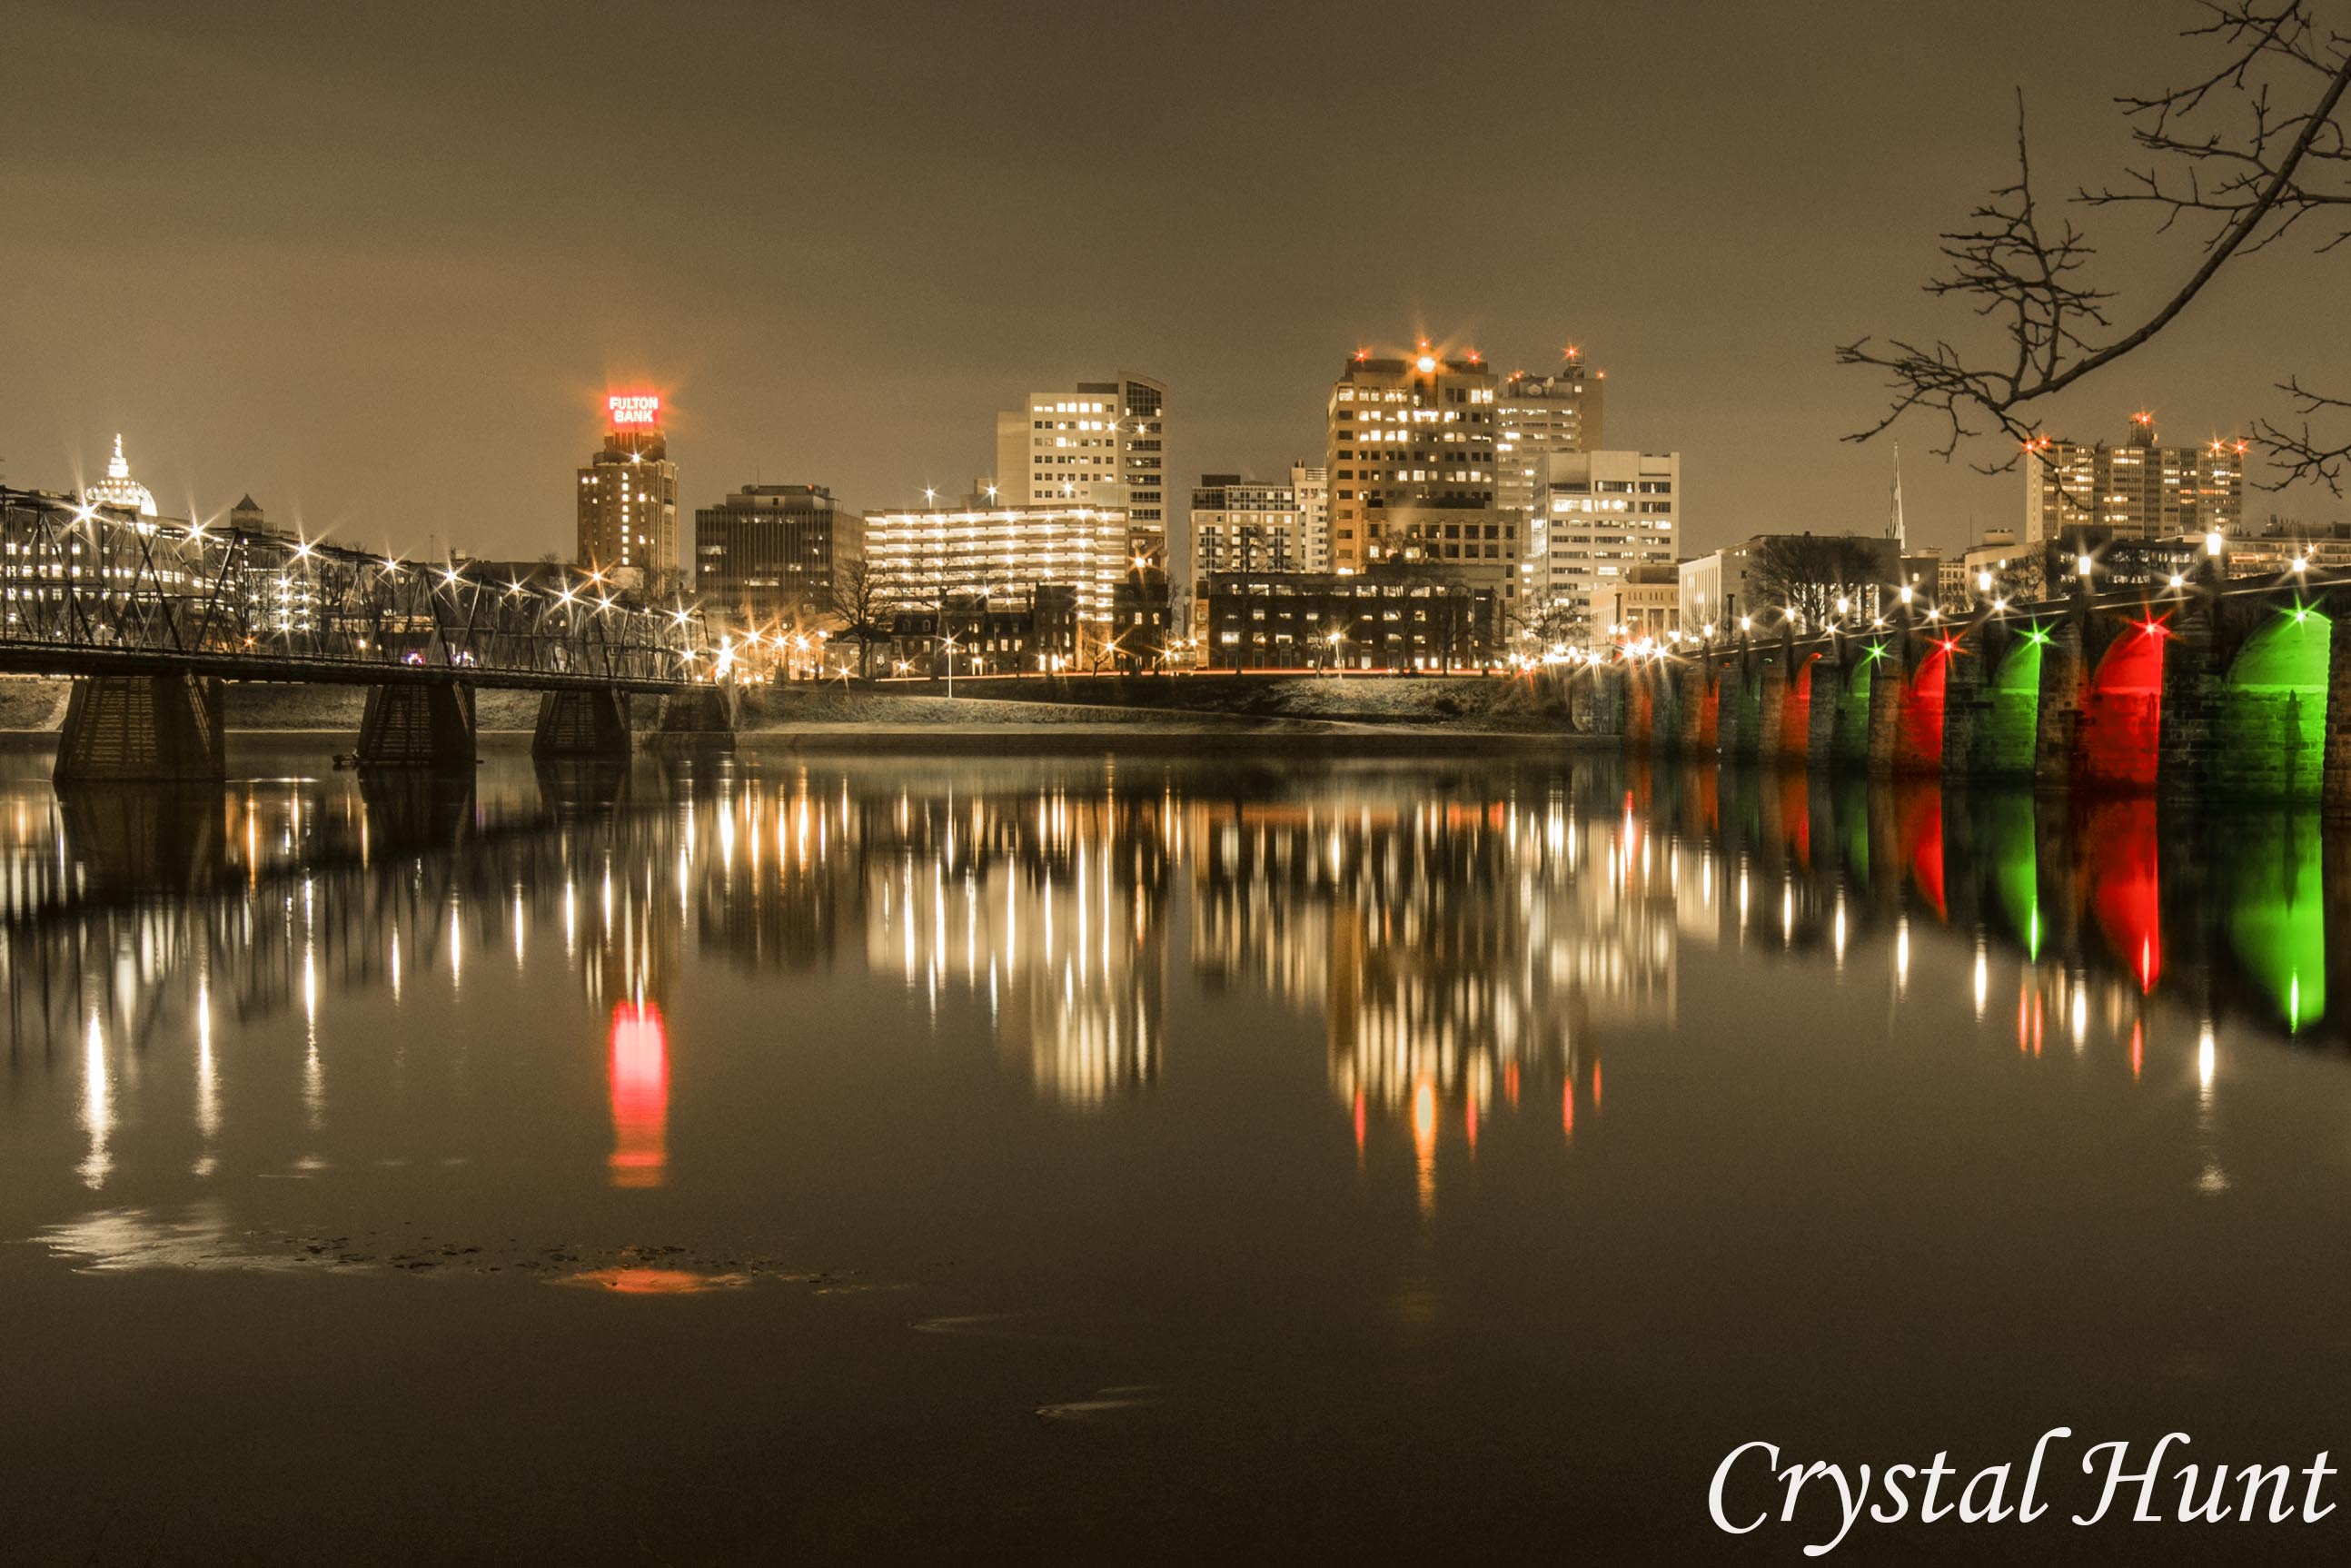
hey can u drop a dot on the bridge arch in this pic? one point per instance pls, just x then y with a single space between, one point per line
1918 718
1794 739
2273 729
1851 735
2122 711
2013 717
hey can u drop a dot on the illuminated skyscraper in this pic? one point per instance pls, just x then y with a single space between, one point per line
628 499
1535 416
1103 445
1412 468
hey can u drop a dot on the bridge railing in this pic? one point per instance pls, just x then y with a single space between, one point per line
74 576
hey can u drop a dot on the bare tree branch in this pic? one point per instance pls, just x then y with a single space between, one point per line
2255 183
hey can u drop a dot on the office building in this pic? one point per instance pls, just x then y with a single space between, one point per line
1389 618
1411 448
1244 524
1311 484
1534 417
1100 444
627 500
1604 513
921 559
770 552
1643 604
2138 490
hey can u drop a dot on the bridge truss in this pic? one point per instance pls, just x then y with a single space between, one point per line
99 590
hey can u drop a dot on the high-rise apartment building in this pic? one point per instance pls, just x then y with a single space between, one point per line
1412 468
1604 513
770 552
1102 445
628 499
1535 416
2136 490
922 558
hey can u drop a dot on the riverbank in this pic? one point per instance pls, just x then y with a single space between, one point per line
1319 715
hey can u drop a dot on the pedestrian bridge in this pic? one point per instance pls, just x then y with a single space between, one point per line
150 618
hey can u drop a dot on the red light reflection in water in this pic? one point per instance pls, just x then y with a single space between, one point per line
2119 865
1918 813
631 1281
2138 1045
1567 1108
1470 1122
1796 812
640 1095
1359 1123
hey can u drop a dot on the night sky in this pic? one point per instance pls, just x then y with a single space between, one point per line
379 265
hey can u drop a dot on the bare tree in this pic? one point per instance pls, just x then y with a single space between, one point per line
2250 150
1807 573
862 603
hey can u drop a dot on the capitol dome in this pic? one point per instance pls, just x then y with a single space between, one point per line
118 488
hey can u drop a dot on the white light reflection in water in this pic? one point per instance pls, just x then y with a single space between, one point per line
207 1080
314 1072
1983 979
2213 1180
97 1106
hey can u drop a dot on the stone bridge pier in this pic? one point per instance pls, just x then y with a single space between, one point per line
418 725
146 729
703 717
582 724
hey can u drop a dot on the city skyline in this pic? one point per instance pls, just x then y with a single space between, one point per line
475 325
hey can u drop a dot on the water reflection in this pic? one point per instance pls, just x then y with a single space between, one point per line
1471 941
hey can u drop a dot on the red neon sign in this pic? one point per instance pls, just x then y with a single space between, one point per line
634 409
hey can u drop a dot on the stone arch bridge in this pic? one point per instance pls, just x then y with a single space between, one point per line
2210 690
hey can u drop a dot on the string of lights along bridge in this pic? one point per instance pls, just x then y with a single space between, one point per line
150 616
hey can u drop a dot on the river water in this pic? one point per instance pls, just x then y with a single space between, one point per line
1105 1158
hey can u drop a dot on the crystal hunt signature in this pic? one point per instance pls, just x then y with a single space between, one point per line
1837 1496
